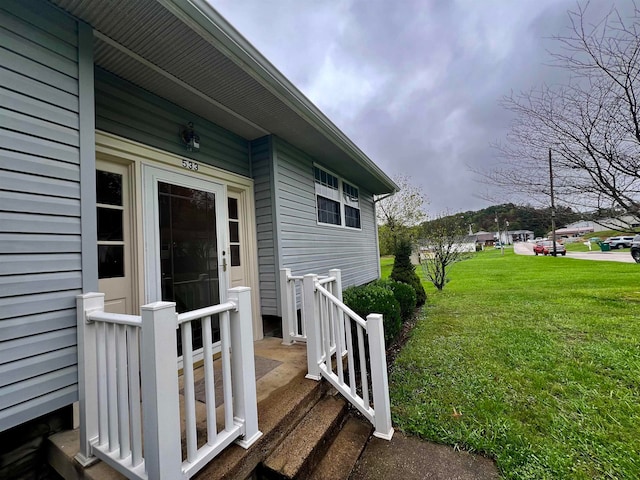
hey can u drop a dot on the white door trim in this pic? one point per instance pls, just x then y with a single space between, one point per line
119 149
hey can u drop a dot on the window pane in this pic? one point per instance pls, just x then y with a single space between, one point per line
328 211
110 224
234 232
233 208
352 216
326 179
110 261
108 188
235 255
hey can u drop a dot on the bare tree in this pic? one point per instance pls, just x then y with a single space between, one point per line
402 210
591 124
446 242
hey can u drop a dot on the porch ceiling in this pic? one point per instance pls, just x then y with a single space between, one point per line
185 52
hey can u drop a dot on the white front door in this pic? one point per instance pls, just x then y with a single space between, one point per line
186 258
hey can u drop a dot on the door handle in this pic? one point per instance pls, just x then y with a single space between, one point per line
224 264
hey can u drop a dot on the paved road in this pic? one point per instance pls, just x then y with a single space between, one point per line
524 248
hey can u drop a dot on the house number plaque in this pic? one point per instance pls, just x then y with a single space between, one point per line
190 165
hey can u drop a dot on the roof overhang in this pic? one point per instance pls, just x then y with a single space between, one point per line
186 52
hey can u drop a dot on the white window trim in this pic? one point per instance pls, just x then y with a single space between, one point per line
341 194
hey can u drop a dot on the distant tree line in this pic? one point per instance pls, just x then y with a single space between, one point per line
519 217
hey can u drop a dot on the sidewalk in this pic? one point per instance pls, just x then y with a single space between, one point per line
410 458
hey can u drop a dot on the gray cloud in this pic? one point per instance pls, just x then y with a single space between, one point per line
415 83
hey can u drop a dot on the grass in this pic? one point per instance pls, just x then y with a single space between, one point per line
534 361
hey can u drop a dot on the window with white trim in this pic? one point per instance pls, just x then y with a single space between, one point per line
336 200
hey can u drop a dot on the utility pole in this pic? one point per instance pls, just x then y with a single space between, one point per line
499 236
553 208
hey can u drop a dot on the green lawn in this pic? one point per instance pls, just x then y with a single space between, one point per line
534 361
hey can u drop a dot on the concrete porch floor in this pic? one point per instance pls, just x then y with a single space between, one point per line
279 391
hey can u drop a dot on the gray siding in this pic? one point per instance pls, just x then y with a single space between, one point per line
40 231
131 112
306 246
263 175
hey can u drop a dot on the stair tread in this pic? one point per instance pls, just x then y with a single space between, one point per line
295 453
344 452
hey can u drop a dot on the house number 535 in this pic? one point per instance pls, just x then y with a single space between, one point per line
190 165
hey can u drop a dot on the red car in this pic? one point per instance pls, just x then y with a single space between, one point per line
545 247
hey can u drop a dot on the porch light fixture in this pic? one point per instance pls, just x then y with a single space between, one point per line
190 138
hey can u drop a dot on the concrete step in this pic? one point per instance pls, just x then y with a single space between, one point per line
278 413
344 452
305 446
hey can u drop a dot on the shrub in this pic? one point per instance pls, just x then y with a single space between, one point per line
403 271
404 294
367 299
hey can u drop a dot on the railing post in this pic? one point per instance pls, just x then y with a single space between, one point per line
160 404
335 272
379 380
286 306
87 375
245 404
312 325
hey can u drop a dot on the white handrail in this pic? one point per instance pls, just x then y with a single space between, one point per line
330 327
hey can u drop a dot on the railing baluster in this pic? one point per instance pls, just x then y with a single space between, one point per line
350 359
123 391
103 412
336 327
303 326
209 381
226 371
364 381
189 392
326 332
112 389
134 395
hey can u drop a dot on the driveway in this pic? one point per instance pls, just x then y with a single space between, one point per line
524 248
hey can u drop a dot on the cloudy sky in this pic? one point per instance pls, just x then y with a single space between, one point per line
414 83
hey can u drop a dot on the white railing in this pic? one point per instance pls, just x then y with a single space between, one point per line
346 350
129 387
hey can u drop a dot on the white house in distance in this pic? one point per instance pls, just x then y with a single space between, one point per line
149 152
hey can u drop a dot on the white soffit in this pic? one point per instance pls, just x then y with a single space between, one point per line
174 49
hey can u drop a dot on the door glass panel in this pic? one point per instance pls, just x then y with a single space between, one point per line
188 252
108 188
234 231
110 261
235 255
110 225
233 208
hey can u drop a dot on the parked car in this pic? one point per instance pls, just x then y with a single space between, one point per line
635 248
545 247
619 242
